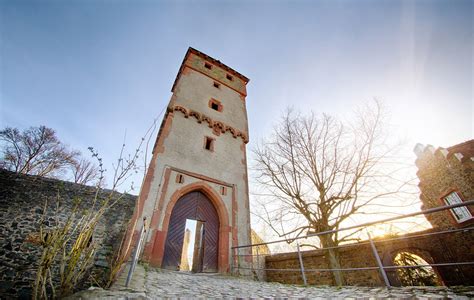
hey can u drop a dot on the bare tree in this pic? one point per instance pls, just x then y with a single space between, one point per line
35 151
322 172
84 171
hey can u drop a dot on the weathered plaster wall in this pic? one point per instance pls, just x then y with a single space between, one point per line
194 92
22 199
216 72
180 150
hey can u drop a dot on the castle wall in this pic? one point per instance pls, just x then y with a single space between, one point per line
443 248
22 199
440 173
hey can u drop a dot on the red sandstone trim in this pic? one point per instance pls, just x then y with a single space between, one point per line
235 210
217 102
214 79
146 185
147 251
202 177
207 59
159 239
217 126
145 190
246 201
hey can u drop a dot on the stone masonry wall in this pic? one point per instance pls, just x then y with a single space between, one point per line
441 172
22 199
441 248
353 257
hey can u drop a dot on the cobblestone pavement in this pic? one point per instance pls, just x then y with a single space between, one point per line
152 284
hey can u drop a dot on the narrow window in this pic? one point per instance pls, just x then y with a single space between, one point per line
208 66
462 213
215 105
223 190
229 77
179 178
216 85
209 143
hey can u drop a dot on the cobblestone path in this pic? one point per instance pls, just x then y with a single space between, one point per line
152 284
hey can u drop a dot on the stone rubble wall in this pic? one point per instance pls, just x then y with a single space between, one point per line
440 248
442 172
22 200
353 257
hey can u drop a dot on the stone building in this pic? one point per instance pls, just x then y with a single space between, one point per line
447 177
198 170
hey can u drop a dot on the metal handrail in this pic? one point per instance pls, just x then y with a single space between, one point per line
380 241
426 211
136 255
380 266
464 263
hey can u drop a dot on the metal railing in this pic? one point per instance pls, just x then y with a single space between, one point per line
136 255
380 267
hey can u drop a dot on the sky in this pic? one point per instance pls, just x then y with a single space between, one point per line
99 72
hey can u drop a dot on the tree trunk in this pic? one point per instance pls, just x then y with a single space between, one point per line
333 259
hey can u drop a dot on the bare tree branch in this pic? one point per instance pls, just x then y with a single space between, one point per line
35 151
327 171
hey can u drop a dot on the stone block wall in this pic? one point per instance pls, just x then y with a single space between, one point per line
442 171
434 249
351 257
22 200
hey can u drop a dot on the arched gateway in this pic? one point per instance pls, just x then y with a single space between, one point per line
198 172
193 206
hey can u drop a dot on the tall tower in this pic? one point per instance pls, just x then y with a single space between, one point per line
199 167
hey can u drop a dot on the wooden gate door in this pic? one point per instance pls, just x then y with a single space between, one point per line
195 206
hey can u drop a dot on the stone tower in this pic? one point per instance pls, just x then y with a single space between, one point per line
446 177
198 170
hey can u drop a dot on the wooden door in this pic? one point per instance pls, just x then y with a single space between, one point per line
196 206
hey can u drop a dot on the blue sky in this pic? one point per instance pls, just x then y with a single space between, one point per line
93 70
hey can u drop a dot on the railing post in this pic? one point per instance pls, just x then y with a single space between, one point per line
136 254
232 262
379 261
235 262
251 257
301 263
258 263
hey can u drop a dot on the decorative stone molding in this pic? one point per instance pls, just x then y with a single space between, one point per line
218 127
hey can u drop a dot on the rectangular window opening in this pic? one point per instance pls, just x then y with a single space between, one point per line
215 105
208 66
179 178
462 213
229 77
223 190
216 85
209 145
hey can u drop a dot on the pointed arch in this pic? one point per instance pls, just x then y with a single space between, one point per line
224 227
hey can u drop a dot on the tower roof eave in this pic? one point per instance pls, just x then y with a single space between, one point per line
214 61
